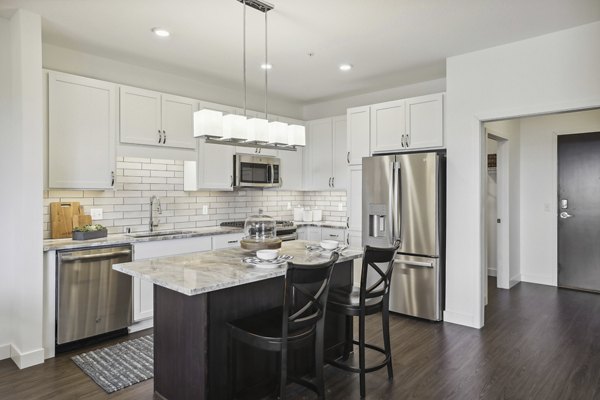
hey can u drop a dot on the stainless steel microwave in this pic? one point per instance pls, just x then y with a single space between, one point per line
256 171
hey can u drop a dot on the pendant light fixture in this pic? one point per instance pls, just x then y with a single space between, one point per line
233 129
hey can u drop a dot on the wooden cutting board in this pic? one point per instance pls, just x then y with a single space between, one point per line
81 220
61 218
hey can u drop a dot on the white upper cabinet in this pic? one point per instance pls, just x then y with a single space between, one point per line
358 145
292 169
388 126
339 154
409 124
326 154
425 121
178 121
82 132
319 144
152 118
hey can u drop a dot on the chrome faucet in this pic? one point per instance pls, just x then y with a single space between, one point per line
154 200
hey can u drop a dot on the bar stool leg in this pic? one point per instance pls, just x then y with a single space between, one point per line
385 316
319 347
361 352
283 373
348 346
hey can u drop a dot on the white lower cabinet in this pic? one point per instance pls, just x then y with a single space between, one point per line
333 234
317 233
226 241
143 291
354 241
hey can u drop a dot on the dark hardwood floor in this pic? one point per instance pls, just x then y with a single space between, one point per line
539 342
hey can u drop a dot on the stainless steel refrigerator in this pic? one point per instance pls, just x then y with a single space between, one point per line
403 198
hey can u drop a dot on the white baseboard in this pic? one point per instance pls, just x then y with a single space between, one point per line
514 280
4 351
460 319
27 359
140 326
539 279
492 272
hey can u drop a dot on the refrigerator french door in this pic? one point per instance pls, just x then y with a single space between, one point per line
403 198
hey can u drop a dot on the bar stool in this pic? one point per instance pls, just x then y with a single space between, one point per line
351 301
299 322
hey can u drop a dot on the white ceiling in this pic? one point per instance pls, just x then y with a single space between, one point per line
389 42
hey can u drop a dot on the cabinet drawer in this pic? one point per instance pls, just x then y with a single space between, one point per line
225 241
333 234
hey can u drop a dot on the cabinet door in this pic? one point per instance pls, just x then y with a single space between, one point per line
313 233
333 234
226 241
355 198
82 128
143 291
358 134
140 116
339 154
319 146
178 121
292 167
425 121
216 166
302 233
388 126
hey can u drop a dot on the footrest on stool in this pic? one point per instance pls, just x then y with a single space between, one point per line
372 368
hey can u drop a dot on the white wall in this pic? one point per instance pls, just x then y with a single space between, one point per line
539 189
6 180
553 72
338 106
22 147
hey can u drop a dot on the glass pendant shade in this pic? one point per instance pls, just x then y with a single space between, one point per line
258 130
234 127
278 133
296 135
208 123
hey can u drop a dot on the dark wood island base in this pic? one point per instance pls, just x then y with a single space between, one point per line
191 339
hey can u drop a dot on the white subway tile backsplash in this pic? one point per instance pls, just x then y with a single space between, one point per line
138 179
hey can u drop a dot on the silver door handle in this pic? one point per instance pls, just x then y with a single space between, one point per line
565 215
333 182
419 264
111 254
348 157
159 137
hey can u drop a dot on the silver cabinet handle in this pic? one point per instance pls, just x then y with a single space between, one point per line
348 239
333 182
164 137
348 157
231 180
159 137
112 178
418 264
232 241
407 140
402 141
329 181
565 215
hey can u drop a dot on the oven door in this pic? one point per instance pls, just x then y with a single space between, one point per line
256 171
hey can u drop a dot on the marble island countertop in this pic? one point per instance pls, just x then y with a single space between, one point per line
203 272
63 244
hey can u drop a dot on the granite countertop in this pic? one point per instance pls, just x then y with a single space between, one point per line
323 224
203 272
63 244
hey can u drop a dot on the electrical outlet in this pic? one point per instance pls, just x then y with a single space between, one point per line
340 207
96 213
289 205
204 210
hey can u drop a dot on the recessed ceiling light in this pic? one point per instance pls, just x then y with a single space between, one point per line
345 67
266 66
161 32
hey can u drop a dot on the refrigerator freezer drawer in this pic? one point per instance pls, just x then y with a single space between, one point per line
416 287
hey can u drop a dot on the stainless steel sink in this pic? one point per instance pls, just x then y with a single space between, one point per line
157 234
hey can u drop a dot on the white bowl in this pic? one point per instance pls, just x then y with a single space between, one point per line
267 254
329 244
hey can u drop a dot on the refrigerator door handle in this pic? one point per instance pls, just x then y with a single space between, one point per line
412 264
393 203
397 207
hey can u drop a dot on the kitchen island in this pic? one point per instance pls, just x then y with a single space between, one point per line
196 294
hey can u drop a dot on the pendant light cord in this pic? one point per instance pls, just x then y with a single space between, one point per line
244 62
266 67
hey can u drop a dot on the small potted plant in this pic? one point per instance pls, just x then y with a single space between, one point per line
87 232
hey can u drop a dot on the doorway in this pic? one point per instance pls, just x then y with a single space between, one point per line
578 216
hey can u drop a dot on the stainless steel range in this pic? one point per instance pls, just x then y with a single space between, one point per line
286 230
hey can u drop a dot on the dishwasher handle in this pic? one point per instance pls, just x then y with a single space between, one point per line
109 254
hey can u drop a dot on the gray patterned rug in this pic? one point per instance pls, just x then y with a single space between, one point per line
116 367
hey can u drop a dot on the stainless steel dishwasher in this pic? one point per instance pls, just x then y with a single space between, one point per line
91 298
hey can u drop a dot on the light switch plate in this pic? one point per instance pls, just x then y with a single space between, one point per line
96 213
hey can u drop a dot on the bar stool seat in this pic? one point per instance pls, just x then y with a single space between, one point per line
362 301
